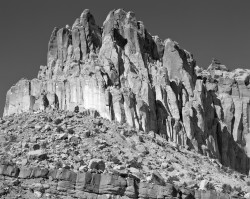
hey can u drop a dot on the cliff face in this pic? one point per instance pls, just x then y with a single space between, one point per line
127 75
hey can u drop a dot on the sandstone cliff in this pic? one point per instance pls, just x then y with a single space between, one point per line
129 76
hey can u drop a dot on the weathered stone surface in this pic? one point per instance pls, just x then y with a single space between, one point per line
39 173
156 191
131 189
210 195
25 172
67 180
8 170
156 178
180 65
18 98
112 184
88 182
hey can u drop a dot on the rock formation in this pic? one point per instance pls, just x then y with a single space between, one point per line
129 76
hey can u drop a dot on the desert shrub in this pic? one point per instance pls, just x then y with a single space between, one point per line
210 186
4 144
59 129
76 109
58 164
71 131
58 121
226 188
12 138
44 145
7 148
238 189
224 169
115 160
4 159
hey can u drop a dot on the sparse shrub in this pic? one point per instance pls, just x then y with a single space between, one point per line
5 144
210 186
134 163
170 168
133 145
58 164
71 131
224 169
59 129
185 184
4 159
115 160
44 145
76 109
58 121
7 148
226 188
12 138
230 171
238 189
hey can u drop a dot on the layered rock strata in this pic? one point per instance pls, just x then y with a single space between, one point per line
129 76
68 184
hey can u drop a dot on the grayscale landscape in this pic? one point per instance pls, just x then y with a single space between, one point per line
118 113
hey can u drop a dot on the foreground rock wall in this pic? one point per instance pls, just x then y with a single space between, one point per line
132 77
68 184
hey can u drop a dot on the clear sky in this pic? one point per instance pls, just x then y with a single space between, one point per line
214 28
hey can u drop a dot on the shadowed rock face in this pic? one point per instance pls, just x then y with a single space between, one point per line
127 75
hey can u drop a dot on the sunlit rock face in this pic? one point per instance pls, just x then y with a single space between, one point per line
129 76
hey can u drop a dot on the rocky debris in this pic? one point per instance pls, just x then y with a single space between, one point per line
122 155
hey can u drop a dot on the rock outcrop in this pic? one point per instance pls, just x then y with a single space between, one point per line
38 182
127 75
84 184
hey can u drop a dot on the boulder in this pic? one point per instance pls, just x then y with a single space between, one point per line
8 170
156 178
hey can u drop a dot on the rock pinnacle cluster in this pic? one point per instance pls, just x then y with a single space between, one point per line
124 74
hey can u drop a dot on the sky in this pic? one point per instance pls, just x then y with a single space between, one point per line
208 29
